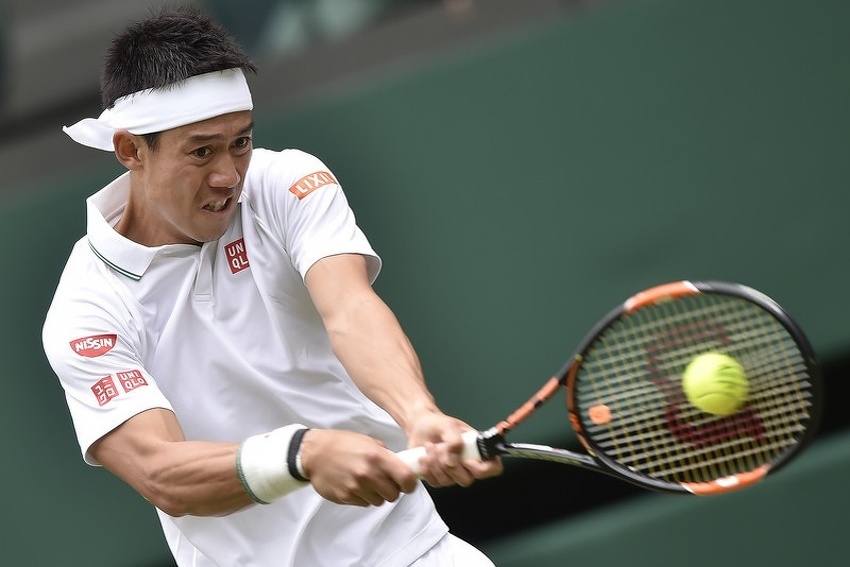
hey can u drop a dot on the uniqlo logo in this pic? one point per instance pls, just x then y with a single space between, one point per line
131 380
94 346
310 183
104 390
237 256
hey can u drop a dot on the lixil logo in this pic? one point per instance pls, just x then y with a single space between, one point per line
310 183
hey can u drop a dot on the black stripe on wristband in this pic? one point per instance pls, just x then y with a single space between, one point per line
292 455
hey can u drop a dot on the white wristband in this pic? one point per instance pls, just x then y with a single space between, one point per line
263 467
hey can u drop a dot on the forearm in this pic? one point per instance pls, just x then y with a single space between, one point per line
200 478
369 341
192 478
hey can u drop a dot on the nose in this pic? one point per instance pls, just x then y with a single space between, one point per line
225 172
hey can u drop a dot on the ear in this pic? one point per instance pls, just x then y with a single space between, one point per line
127 147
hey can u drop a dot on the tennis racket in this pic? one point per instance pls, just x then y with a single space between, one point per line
628 410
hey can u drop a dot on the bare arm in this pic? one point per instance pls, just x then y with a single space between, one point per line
371 344
149 452
368 339
179 477
200 478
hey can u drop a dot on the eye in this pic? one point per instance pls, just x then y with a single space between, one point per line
242 143
203 152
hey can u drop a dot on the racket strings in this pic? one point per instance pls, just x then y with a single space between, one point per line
634 369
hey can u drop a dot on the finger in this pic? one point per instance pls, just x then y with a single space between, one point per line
430 468
349 499
373 498
365 496
484 469
459 474
446 468
399 476
453 465
386 491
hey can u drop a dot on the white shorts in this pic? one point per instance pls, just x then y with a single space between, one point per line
452 551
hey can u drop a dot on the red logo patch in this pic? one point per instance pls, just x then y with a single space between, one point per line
104 390
310 183
237 256
131 380
94 346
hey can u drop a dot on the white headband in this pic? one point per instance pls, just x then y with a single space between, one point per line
155 110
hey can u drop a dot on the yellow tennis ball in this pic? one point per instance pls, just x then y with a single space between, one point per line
715 383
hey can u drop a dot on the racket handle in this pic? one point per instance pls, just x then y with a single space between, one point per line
470 451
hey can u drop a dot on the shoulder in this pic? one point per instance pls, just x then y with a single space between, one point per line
292 163
286 177
84 291
89 311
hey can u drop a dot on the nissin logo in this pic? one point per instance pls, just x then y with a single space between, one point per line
94 346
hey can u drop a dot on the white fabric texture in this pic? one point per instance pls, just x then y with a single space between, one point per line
225 335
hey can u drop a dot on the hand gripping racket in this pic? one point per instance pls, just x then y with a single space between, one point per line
628 409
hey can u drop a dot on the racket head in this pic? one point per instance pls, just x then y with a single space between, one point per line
628 409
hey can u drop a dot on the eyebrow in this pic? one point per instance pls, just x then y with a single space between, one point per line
201 138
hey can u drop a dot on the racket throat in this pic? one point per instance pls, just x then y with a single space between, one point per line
491 444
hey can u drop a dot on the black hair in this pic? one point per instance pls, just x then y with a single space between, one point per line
169 46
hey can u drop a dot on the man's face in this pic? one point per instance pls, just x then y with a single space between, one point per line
185 191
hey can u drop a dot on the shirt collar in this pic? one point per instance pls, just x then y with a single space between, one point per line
103 210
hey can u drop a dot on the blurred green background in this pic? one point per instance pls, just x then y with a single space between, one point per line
517 190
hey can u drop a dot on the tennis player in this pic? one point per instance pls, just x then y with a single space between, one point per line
218 338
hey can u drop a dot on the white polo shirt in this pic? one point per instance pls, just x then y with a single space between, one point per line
225 335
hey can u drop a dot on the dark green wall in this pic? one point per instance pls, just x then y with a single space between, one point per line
516 192
519 192
798 518
56 510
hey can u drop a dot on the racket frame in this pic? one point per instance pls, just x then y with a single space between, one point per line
491 443
667 292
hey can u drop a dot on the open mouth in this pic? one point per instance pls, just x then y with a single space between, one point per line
217 206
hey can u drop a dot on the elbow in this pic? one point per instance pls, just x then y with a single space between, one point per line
188 501
166 501
178 507
156 486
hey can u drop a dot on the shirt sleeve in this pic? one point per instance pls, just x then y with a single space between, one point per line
307 209
96 351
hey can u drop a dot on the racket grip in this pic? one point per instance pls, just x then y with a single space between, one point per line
470 451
